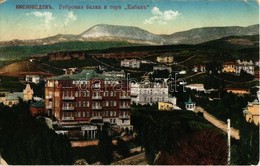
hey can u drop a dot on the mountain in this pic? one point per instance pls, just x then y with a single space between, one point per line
200 35
103 32
125 33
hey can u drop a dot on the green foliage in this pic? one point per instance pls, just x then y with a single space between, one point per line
122 147
105 147
163 131
23 52
25 140
246 150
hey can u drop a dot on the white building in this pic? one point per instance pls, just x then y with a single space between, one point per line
165 59
131 63
148 93
169 68
114 73
32 78
246 66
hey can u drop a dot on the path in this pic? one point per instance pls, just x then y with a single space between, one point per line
218 123
134 160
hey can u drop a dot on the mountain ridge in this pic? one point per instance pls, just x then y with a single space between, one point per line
132 34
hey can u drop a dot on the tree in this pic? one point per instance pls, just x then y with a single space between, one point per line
122 147
105 147
206 147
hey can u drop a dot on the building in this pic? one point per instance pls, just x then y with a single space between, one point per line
229 67
246 66
190 105
199 68
167 106
88 96
169 68
37 108
149 92
120 74
33 78
238 91
197 87
27 93
131 63
251 112
70 71
168 58
12 98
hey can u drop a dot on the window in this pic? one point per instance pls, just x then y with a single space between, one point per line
79 104
111 93
76 94
83 114
79 114
87 104
87 114
84 103
87 93
106 93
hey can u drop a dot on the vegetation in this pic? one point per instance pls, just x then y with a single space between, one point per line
164 131
23 52
105 146
25 140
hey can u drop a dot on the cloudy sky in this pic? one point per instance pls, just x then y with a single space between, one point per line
156 16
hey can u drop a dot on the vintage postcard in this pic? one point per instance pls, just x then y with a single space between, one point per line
129 82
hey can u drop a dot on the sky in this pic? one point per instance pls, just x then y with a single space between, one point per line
18 21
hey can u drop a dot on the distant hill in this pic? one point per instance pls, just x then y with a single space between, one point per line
234 42
130 34
200 35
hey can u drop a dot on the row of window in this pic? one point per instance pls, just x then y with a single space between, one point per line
89 114
96 103
87 93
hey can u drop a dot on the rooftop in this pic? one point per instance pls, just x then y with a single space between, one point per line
85 74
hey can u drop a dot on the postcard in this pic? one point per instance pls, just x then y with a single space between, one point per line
128 82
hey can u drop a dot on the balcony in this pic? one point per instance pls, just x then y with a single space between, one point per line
68 98
124 116
124 107
96 107
67 118
124 97
67 108
48 97
97 97
49 107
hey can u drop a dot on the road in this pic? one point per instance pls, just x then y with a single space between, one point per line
218 123
134 160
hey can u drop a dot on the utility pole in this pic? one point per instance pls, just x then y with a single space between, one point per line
229 142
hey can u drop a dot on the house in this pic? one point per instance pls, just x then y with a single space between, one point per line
167 58
149 92
70 71
247 66
251 112
114 73
87 96
199 68
12 98
167 106
33 78
190 105
37 108
131 63
229 67
238 91
162 68
197 87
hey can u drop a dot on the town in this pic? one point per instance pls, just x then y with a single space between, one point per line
82 100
